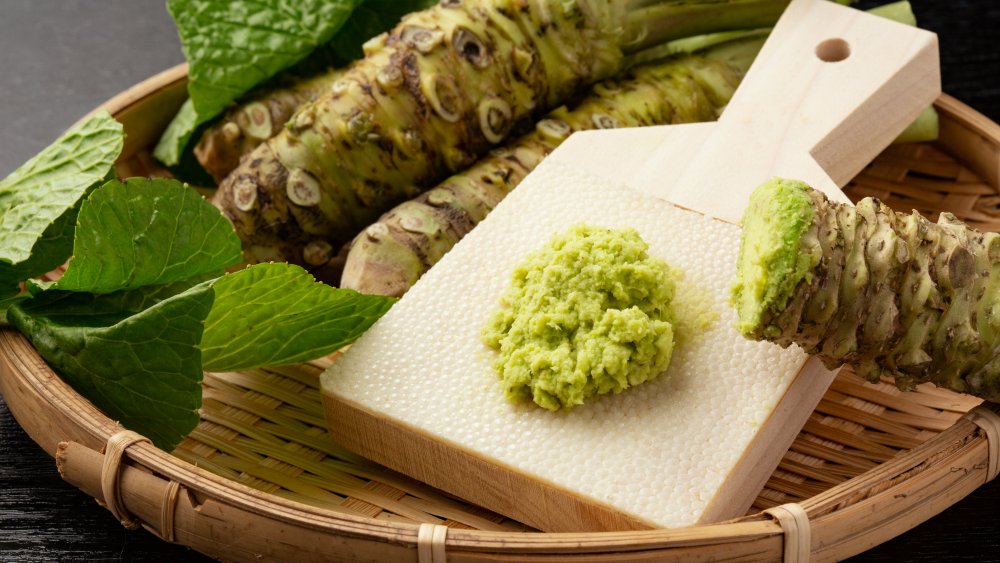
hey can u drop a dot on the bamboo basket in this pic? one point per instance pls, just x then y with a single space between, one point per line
260 479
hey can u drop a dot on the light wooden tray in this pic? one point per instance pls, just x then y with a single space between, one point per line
259 477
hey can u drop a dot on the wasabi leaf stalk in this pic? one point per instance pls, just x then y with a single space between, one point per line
890 294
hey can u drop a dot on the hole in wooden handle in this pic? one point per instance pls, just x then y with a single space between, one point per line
833 50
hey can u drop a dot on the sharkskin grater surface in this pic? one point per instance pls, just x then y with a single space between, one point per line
659 451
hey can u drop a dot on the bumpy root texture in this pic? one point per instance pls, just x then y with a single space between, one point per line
429 97
391 254
250 123
896 295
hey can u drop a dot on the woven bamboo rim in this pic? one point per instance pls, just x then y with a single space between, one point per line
260 479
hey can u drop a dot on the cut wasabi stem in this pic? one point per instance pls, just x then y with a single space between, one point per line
923 129
887 293
739 55
901 12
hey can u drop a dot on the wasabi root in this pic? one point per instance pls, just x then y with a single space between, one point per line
244 127
430 97
887 293
391 254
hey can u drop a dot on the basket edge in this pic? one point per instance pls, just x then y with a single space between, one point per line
127 101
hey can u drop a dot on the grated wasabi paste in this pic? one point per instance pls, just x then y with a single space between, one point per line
588 314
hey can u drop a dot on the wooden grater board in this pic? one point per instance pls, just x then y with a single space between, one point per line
802 127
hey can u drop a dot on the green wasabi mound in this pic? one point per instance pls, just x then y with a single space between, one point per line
772 260
588 314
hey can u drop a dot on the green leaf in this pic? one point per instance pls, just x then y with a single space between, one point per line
50 252
125 325
134 354
138 355
39 200
274 314
177 135
147 232
231 46
229 54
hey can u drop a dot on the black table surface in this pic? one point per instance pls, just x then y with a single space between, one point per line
61 58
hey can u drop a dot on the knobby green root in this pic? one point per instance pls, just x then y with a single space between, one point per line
244 127
391 254
432 96
888 293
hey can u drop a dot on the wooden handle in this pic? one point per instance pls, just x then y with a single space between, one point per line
829 90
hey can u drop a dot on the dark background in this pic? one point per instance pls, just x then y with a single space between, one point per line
61 58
